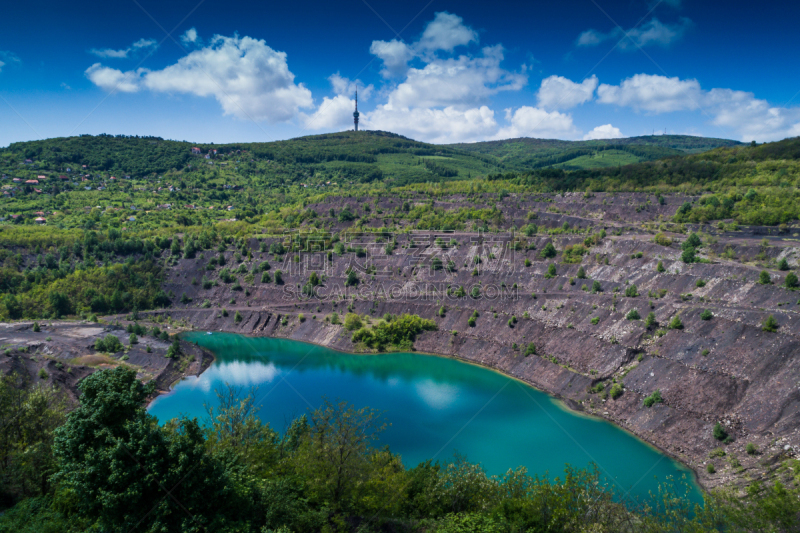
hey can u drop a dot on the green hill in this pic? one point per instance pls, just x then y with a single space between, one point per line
542 153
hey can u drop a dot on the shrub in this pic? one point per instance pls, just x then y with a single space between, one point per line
278 277
719 432
706 315
700 283
676 323
335 318
783 264
653 399
710 468
650 320
43 373
631 291
662 240
595 320
109 344
185 299
266 277
301 317
36 328
581 273
791 281
660 267
133 339
616 391
530 349
596 287
705 352
352 322
633 314
764 278
688 255
548 251
527 262
471 322
574 253
751 449
770 324
237 317
551 271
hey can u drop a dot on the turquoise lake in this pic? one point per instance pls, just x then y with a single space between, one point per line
435 405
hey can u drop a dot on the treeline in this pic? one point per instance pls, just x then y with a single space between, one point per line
112 467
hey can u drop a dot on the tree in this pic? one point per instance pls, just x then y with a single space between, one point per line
706 315
548 251
719 432
109 344
278 277
633 314
551 271
676 323
650 320
335 458
352 322
660 267
237 317
631 291
770 324
352 279
764 278
791 281
581 273
133 339
596 287
783 264
688 255
530 349
126 472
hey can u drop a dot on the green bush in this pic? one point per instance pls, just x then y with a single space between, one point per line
676 323
109 344
764 278
551 271
633 314
770 324
631 291
581 273
710 468
549 251
650 320
237 317
36 328
751 449
660 267
596 287
616 391
719 432
133 339
595 320
783 264
352 322
791 281
706 315
700 283
530 349
653 399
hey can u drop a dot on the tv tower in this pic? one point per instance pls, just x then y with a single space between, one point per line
355 113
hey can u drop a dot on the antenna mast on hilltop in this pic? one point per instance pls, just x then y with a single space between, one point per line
355 113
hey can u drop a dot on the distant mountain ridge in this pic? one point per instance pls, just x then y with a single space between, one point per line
525 152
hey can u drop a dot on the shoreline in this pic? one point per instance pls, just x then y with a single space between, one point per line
561 402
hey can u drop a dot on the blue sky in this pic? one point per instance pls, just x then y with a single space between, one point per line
435 71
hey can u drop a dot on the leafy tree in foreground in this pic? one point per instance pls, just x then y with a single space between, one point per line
126 472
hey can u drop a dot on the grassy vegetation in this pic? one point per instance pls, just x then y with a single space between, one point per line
105 466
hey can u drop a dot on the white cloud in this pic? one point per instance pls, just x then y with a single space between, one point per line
557 92
346 87
445 32
395 56
652 33
534 122
8 58
190 38
248 78
606 131
652 93
446 125
111 79
141 44
463 81
740 111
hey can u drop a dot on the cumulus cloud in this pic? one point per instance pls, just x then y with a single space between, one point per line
248 78
462 81
740 111
191 38
606 131
445 32
395 56
8 58
346 87
557 92
446 125
534 122
140 45
111 79
652 93
652 33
